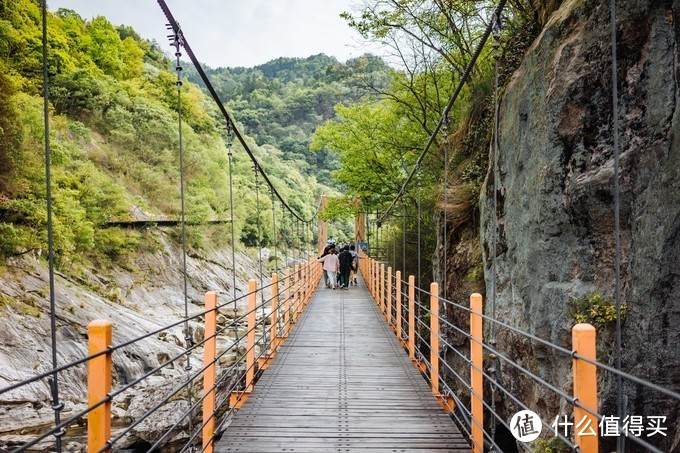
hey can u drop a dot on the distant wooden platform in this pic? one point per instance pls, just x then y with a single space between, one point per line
341 383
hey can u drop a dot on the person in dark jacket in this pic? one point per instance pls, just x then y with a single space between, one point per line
346 259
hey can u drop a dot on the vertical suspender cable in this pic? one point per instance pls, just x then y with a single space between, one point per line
394 247
444 277
403 240
297 241
620 446
285 238
420 283
493 363
53 381
276 239
387 238
230 142
259 234
177 42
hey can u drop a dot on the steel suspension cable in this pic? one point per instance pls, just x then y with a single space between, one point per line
230 142
620 445
211 90
418 311
444 276
259 229
494 364
177 43
285 238
53 381
403 240
394 247
276 239
420 283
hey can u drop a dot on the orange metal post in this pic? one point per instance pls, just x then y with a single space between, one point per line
308 282
209 349
237 398
275 314
583 339
98 385
296 293
286 305
250 344
399 286
382 287
411 317
476 375
303 285
375 281
434 337
388 297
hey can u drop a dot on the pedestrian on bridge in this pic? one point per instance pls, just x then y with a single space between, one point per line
331 265
354 266
345 258
330 245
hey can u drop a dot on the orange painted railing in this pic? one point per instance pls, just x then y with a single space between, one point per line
298 288
381 284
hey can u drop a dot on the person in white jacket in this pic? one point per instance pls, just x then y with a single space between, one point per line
331 264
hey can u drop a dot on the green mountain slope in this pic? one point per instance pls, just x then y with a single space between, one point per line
115 139
283 101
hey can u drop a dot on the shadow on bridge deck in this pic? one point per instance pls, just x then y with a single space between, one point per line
343 383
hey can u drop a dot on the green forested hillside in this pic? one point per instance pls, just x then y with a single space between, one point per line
283 101
114 140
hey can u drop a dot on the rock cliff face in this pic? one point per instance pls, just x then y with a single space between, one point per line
556 202
136 301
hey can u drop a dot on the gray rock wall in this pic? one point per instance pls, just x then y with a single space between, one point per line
556 201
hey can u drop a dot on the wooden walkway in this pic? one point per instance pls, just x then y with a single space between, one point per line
341 383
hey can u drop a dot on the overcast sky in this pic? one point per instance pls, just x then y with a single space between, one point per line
238 32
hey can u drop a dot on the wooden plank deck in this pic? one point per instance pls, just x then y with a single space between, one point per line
341 383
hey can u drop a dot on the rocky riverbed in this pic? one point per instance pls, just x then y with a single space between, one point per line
143 298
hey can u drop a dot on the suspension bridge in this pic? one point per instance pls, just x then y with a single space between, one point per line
324 370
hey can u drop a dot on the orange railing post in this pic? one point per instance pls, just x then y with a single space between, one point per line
388 297
209 350
302 288
296 293
476 368
398 303
237 398
382 287
98 385
434 337
583 341
412 318
375 282
250 343
286 305
275 314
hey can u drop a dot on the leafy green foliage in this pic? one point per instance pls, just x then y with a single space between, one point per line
281 102
594 309
114 145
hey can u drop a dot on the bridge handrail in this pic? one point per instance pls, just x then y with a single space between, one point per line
385 286
297 288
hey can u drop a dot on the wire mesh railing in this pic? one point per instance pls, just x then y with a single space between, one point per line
414 315
224 389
